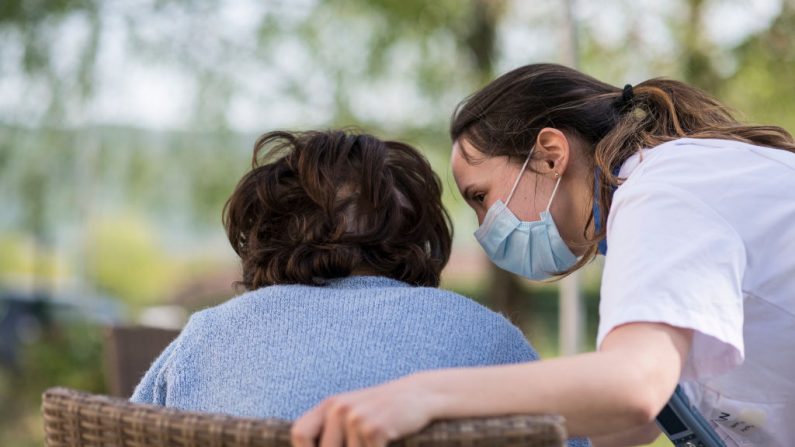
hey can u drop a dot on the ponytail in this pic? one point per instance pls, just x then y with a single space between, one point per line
662 110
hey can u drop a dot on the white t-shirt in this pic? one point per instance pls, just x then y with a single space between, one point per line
702 236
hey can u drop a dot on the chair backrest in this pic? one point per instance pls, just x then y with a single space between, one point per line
129 352
76 419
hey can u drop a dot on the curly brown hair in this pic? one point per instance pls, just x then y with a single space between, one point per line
327 204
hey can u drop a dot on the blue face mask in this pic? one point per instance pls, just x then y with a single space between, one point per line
534 250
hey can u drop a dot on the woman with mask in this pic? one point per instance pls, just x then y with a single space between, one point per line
693 210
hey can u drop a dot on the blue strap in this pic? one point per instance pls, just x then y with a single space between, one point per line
684 425
596 214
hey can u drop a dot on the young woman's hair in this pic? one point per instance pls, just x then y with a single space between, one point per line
505 117
325 204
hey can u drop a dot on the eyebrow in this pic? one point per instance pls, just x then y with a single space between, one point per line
467 192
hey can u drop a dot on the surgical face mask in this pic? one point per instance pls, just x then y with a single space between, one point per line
534 250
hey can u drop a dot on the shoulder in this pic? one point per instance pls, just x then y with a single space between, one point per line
481 322
466 308
676 177
235 312
245 302
695 147
695 162
669 161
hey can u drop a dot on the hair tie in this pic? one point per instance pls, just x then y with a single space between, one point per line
627 94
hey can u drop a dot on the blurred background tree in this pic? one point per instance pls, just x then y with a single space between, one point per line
125 125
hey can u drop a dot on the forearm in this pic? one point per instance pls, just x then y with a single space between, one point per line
598 393
558 386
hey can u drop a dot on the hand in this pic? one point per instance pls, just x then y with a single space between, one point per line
369 417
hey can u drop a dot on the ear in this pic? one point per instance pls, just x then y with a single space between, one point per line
552 152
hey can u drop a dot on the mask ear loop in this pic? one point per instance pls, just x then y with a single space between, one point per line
555 190
519 177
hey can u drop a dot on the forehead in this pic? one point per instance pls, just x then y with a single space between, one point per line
458 163
464 156
472 167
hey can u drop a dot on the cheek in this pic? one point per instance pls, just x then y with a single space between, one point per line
480 215
491 198
529 200
480 212
482 208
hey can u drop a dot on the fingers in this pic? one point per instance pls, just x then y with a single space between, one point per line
365 418
334 425
307 428
373 435
336 422
361 431
352 438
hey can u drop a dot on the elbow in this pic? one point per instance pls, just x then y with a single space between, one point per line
647 397
643 410
648 368
636 409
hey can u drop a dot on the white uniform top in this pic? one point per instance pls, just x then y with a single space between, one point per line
702 236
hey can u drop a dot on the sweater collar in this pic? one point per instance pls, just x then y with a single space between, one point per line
364 282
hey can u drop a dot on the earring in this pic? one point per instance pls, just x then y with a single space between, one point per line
557 174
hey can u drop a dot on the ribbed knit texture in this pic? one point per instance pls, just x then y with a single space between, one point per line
279 350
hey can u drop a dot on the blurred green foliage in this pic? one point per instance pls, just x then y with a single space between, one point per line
762 88
70 356
125 261
134 213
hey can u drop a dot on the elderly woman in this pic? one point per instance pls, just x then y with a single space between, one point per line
342 239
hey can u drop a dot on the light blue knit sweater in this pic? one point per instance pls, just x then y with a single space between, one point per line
277 351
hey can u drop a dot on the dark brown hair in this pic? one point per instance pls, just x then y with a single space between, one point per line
324 204
505 117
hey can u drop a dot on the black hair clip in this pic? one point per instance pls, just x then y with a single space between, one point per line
624 103
627 94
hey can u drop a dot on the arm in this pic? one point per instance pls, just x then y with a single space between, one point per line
511 345
152 387
622 386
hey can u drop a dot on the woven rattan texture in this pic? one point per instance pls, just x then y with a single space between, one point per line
74 418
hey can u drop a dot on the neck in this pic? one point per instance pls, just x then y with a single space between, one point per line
364 271
574 200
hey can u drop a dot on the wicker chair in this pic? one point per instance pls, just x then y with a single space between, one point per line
74 418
